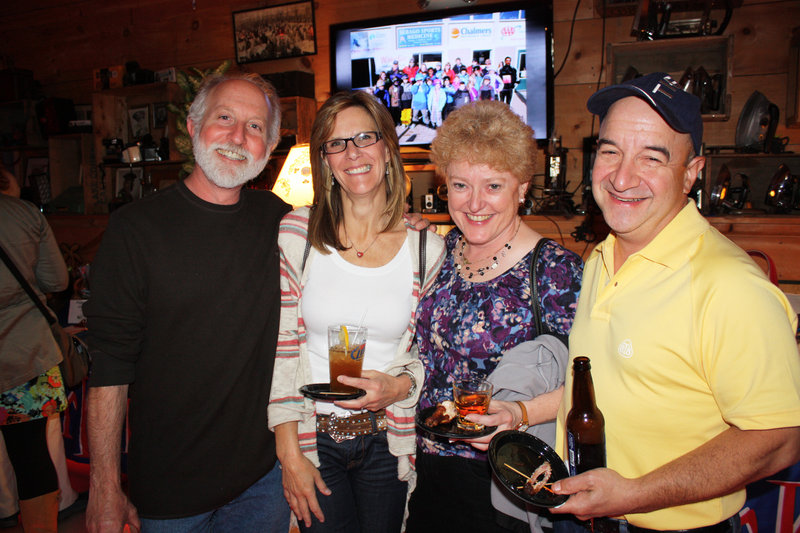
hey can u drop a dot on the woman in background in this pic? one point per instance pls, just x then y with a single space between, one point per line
30 380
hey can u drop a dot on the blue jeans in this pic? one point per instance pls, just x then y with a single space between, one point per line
261 508
366 495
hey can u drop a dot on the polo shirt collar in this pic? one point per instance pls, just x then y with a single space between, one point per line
672 245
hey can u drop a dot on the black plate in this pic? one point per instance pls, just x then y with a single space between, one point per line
525 453
451 429
322 393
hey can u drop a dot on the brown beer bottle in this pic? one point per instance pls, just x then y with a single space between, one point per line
586 437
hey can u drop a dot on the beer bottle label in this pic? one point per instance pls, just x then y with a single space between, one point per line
574 453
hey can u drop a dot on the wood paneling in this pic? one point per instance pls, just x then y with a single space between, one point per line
62 41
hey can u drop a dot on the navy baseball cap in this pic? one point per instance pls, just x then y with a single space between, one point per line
678 108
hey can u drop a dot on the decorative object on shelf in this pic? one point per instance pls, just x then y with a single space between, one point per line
648 27
159 115
702 64
128 184
36 187
294 185
108 77
720 190
132 153
140 125
757 123
783 193
274 32
557 199
708 88
190 83
114 147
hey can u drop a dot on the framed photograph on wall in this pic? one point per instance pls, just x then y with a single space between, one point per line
159 115
274 32
128 185
140 125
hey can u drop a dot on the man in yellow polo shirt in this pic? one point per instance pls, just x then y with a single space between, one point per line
694 360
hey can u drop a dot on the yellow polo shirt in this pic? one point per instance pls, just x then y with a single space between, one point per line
686 339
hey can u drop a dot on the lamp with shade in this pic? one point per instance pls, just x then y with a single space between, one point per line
294 185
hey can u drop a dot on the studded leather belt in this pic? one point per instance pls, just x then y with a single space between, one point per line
342 428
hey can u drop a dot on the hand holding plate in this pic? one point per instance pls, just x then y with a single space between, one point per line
598 492
382 390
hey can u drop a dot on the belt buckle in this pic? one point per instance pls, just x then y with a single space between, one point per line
333 429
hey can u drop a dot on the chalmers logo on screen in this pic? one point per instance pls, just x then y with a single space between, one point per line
470 32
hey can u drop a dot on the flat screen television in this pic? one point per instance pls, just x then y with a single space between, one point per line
462 39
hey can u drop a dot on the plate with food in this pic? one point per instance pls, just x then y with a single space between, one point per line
322 393
527 467
440 420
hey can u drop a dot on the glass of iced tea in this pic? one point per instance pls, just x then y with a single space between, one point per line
471 396
345 354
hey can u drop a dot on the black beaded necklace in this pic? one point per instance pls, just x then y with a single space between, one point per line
496 257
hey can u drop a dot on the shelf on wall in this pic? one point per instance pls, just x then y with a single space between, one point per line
674 56
621 8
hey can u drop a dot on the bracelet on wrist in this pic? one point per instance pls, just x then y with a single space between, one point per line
523 423
413 388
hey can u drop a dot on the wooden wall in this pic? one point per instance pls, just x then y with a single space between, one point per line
62 41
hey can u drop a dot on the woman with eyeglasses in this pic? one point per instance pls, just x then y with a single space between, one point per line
349 258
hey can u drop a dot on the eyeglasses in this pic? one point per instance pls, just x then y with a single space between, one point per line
361 140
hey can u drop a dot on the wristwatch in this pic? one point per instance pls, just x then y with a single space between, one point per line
523 424
410 375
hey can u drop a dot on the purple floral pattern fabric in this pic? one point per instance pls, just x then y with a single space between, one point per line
463 327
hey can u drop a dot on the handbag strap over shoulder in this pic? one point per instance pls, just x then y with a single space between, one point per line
305 256
423 239
26 286
535 303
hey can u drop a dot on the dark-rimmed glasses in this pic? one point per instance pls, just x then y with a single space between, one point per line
361 140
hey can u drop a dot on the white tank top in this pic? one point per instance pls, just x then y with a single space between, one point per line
338 292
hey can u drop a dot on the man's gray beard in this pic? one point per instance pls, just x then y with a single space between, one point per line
220 174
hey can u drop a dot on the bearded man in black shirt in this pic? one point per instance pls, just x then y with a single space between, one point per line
183 323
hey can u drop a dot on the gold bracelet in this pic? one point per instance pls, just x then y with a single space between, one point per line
523 424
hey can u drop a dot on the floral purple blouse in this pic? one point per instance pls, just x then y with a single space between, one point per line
463 327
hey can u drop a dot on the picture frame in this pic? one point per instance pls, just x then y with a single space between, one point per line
139 122
127 187
275 32
160 114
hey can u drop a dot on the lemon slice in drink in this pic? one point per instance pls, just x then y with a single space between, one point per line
344 338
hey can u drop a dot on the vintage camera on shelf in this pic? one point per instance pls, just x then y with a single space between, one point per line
114 147
150 149
435 201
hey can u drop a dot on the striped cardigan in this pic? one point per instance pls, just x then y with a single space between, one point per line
292 367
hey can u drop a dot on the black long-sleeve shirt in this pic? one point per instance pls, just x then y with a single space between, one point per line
184 307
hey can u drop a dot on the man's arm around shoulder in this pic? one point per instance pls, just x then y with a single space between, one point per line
109 508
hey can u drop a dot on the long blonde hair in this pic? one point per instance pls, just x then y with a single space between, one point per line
326 212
